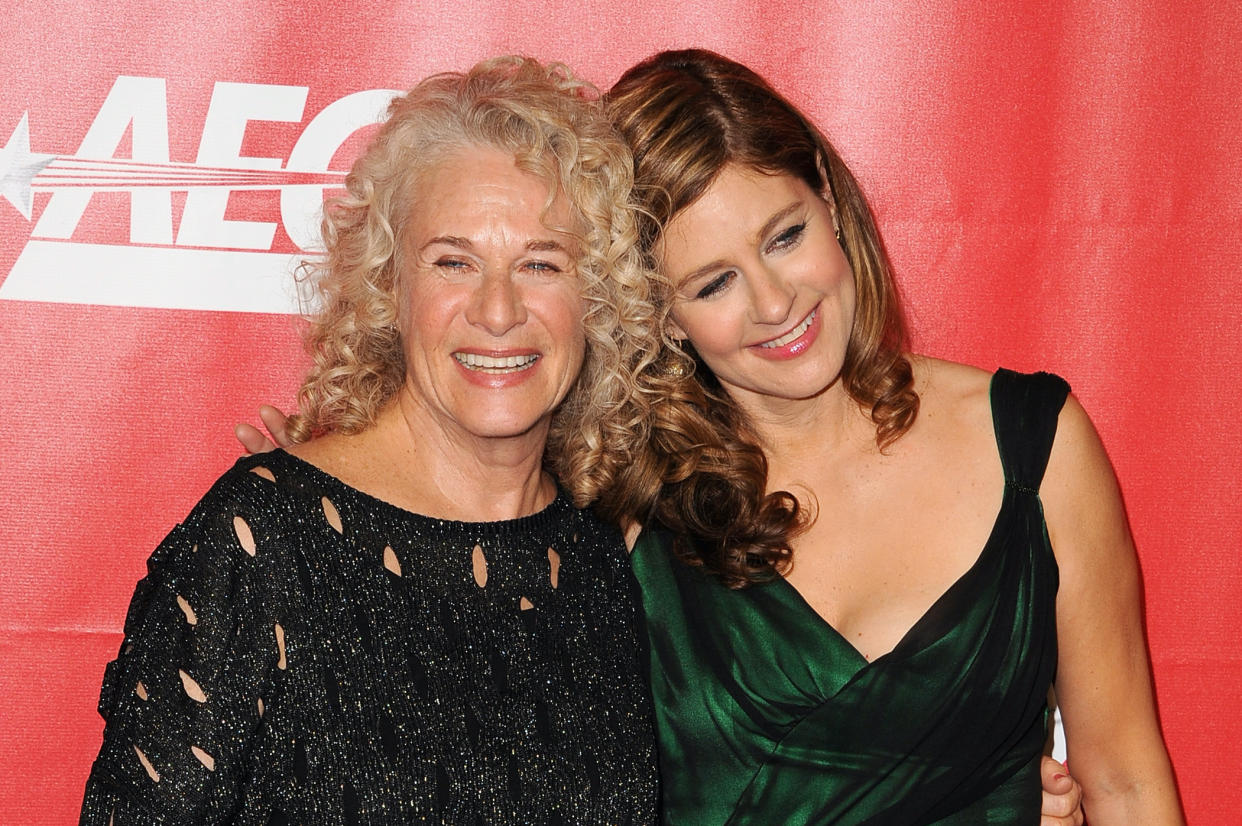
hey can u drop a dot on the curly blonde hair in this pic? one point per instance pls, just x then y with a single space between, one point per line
555 127
703 475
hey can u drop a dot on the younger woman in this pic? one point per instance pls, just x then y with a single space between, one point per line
890 557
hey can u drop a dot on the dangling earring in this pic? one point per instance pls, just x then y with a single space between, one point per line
836 227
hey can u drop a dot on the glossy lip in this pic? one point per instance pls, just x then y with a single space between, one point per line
497 381
796 347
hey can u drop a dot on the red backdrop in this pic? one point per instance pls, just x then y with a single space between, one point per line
1057 181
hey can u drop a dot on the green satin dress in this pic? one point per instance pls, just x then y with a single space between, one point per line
767 715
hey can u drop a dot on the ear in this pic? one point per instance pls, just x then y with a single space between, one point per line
674 329
827 194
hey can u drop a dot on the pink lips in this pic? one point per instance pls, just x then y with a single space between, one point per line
795 348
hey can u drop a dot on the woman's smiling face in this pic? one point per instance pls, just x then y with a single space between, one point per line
491 312
763 289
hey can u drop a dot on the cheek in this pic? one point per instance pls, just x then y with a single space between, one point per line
560 315
565 316
711 328
675 326
423 324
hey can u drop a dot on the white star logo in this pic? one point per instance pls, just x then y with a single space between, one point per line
19 166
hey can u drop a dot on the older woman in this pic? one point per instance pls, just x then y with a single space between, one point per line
405 619
890 557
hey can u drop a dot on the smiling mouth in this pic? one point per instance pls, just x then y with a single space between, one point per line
793 334
495 364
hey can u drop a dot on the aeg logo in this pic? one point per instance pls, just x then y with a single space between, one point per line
210 262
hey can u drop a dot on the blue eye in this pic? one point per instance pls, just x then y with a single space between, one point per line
451 263
543 266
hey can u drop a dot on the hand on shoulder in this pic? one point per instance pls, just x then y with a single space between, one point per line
253 439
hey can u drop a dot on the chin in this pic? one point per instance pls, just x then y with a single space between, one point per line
506 427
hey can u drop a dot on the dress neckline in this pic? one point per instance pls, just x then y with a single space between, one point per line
907 639
550 513
913 632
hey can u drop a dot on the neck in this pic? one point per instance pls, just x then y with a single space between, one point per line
445 472
801 433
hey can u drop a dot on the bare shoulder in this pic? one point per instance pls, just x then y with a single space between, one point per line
317 450
952 395
1078 456
335 454
1080 490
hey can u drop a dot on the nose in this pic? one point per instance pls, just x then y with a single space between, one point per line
771 297
497 304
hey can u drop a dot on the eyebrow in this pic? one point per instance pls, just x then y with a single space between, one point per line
777 217
765 230
544 245
450 240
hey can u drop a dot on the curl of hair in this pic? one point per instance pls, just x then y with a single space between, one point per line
686 115
555 127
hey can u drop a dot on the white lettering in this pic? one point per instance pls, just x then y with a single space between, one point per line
125 276
301 206
139 104
233 106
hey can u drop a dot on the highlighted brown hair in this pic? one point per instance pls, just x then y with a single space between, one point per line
702 475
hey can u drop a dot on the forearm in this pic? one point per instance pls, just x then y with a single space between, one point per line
1125 800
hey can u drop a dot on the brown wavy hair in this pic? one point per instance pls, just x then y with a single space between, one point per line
555 127
703 475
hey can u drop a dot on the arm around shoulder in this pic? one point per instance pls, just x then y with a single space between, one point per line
1104 685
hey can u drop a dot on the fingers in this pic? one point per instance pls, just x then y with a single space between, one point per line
1055 777
1072 820
252 439
1062 796
277 424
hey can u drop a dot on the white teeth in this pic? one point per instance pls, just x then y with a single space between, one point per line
792 334
495 364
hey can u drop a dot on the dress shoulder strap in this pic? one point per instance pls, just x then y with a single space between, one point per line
1025 407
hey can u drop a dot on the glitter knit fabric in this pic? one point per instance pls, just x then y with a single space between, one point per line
302 653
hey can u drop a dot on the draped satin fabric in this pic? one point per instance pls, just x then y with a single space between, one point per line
766 714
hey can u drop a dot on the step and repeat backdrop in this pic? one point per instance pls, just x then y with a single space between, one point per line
1057 181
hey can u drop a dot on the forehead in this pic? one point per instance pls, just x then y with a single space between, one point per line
477 189
734 209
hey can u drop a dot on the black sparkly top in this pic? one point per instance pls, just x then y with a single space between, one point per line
302 653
